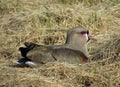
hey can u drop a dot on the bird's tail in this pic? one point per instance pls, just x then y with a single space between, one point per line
24 61
28 46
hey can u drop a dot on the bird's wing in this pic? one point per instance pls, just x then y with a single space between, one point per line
69 55
40 54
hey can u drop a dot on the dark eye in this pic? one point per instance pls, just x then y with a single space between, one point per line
84 32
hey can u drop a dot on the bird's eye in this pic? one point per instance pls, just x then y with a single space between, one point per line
83 32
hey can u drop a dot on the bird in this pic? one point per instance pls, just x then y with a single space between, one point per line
73 51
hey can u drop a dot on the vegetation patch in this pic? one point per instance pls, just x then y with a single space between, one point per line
46 22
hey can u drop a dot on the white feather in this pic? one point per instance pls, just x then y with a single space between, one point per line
86 36
31 64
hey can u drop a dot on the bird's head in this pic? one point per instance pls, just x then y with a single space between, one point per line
79 34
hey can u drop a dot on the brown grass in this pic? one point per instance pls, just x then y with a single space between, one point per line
46 22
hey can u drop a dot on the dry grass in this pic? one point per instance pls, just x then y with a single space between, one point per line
46 22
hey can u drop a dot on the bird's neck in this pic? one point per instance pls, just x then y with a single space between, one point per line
79 46
77 43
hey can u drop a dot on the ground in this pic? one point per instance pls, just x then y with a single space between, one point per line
46 22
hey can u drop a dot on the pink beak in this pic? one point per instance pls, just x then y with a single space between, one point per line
91 38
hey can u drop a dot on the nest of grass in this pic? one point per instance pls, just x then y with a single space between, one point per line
69 75
57 74
109 52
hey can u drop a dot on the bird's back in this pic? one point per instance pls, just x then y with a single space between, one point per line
44 54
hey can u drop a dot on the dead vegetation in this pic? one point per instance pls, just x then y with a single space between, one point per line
109 52
46 22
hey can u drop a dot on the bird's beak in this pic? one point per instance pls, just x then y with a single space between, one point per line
91 38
